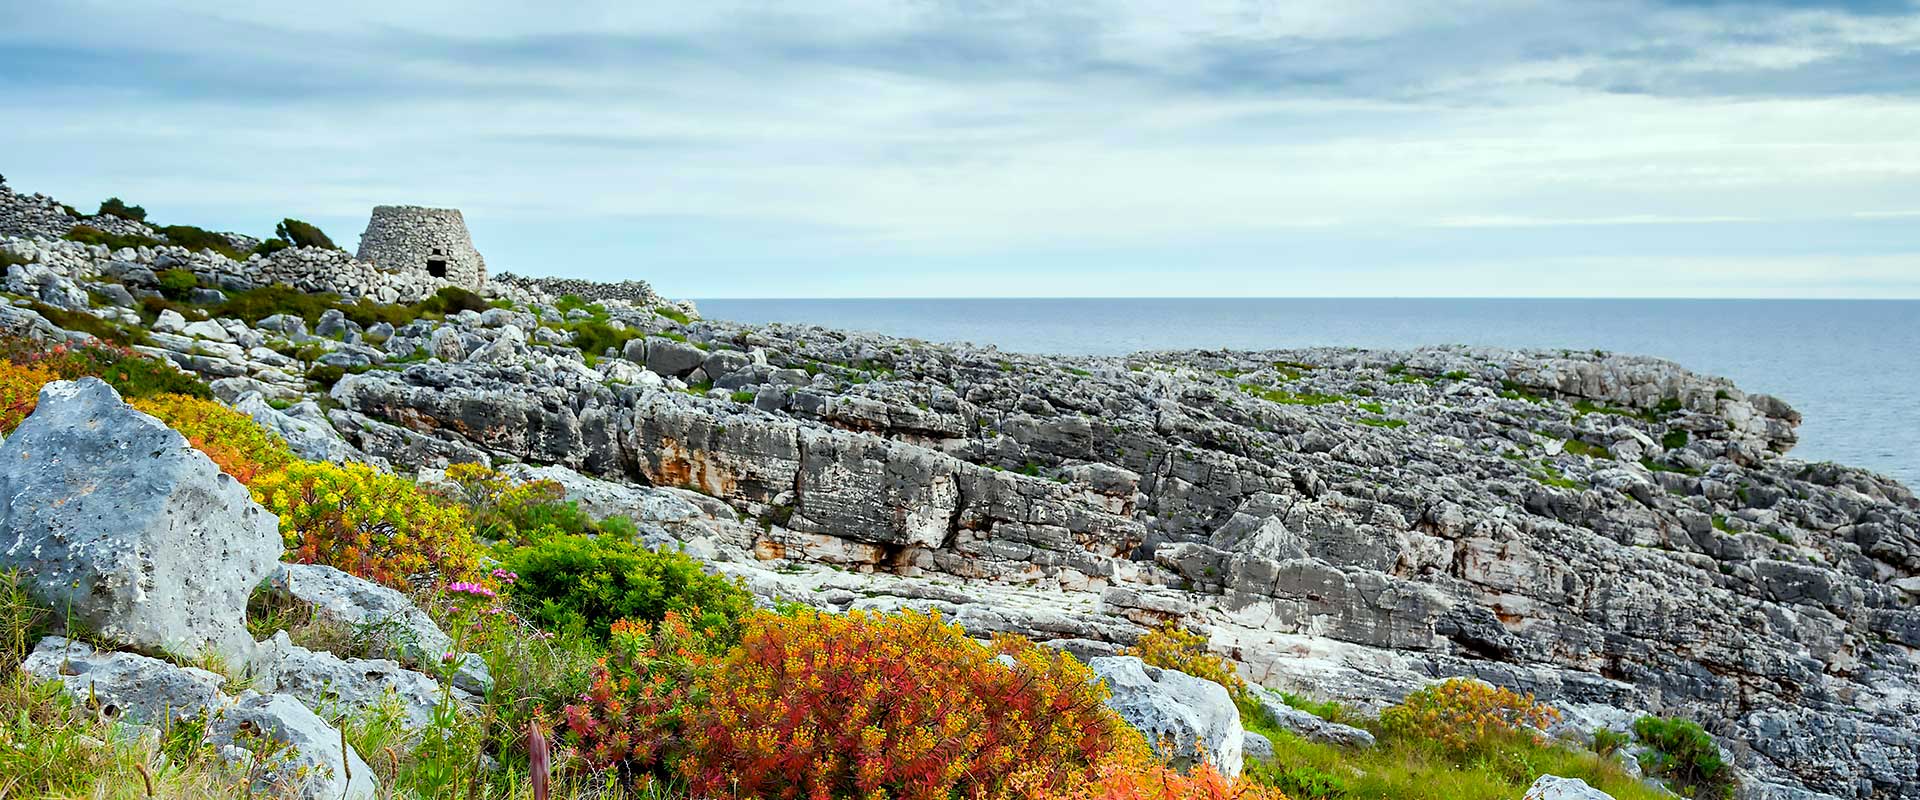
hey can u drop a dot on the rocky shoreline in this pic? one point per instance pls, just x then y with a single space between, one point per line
1615 534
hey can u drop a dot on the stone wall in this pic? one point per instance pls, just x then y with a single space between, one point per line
427 241
638 293
37 215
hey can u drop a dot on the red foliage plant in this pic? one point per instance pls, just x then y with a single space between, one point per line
644 692
905 706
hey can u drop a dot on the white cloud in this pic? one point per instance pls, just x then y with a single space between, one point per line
868 130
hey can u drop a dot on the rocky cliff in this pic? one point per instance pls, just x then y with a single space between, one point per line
1614 533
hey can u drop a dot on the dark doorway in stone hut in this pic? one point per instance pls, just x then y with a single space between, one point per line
437 264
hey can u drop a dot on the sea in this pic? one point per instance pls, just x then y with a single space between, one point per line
1851 367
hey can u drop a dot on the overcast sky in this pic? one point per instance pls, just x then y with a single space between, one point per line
842 148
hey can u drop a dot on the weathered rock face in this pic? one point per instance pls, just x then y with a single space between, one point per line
114 519
1308 726
1186 719
322 680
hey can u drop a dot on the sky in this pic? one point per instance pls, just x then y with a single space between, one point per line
976 148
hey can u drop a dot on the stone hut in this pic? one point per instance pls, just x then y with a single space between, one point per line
430 241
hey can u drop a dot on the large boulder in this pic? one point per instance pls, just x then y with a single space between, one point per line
126 686
126 529
290 751
1188 720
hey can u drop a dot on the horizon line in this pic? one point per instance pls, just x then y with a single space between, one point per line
1903 299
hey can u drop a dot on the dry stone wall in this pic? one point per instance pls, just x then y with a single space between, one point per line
37 215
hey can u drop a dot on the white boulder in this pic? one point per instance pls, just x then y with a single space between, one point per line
115 520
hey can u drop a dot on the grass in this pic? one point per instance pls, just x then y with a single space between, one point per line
51 746
1400 768
1515 391
1549 475
1284 397
1580 448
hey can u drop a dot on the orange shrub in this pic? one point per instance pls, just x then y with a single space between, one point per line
1460 715
1132 779
1175 648
20 391
376 525
233 440
644 692
895 706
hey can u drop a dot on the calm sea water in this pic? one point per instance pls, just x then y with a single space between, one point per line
1852 368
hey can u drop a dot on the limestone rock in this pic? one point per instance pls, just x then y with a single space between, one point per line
115 519
401 630
324 681
124 685
296 752
1308 726
1554 787
1187 719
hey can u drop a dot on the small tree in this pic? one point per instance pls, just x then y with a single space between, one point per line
303 234
115 207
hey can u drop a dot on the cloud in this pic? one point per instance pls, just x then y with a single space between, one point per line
714 147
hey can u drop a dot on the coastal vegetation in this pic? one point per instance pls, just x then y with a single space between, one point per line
625 671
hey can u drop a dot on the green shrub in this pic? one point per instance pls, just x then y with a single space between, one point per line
178 284
270 246
365 313
1683 753
194 238
302 234
594 337
672 313
9 259
115 207
253 305
1674 439
87 234
1607 742
574 584
453 300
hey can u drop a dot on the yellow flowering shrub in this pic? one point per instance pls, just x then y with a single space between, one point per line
1173 647
508 510
20 391
378 526
233 440
1461 715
